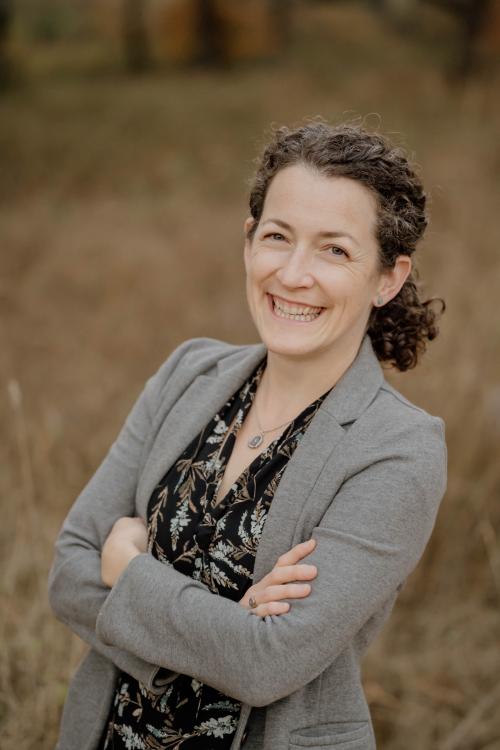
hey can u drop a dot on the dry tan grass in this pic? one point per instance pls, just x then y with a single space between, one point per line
121 235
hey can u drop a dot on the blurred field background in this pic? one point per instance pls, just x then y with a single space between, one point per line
125 151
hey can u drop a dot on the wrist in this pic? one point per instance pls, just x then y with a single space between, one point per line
114 567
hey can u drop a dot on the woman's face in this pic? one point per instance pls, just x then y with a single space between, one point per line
314 250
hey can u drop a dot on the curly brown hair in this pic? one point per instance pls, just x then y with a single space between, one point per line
400 329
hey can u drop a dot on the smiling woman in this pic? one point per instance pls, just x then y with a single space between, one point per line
247 534
353 187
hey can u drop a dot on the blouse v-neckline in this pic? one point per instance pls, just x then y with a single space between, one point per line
247 394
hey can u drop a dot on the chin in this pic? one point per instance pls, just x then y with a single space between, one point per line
279 345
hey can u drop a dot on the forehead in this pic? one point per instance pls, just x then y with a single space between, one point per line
301 195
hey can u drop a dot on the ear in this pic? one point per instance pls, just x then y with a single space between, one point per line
247 224
392 279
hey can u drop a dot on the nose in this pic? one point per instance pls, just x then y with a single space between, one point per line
296 269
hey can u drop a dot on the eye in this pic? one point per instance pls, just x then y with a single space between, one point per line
337 251
273 235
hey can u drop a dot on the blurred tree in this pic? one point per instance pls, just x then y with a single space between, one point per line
135 35
218 22
210 34
395 8
472 16
5 24
207 32
281 14
401 13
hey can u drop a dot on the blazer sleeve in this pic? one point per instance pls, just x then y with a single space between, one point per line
368 541
75 589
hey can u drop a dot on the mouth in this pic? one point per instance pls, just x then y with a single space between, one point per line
290 313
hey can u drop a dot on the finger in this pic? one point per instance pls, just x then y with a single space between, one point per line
285 591
297 553
288 573
270 608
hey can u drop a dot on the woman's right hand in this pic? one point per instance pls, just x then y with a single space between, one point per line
277 584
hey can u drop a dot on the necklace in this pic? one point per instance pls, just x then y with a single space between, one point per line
257 439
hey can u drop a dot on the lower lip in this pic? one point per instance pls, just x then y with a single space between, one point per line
289 320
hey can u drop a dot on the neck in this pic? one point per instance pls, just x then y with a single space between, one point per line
290 383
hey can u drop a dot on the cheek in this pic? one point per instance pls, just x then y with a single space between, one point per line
351 287
341 281
260 265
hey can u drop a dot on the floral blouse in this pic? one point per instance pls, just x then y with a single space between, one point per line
214 544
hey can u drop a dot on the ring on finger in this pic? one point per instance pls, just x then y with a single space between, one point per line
252 602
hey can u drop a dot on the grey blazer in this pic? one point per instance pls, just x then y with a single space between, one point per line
365 481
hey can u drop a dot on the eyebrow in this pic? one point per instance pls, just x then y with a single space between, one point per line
323 233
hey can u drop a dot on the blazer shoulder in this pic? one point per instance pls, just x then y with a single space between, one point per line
193 357
401 409
395 428
205 350
408 440
392 424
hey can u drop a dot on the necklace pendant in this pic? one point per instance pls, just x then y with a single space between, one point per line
255 441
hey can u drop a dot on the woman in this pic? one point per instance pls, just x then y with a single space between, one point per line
286 477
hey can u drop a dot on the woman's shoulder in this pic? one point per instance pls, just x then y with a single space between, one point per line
396 430
397 443
196 356
199 345
206 348
373 411
394 403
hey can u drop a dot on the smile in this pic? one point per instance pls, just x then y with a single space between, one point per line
284 311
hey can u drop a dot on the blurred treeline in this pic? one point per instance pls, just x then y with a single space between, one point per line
127 137
222 32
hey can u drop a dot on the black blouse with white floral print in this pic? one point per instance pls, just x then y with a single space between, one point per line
215 545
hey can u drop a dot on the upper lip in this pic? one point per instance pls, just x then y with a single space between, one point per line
293 302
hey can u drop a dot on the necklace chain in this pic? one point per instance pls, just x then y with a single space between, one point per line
263 432
257 439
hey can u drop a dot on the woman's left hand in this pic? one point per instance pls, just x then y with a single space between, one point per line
127 539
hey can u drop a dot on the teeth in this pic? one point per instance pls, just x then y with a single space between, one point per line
296 310
306 313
